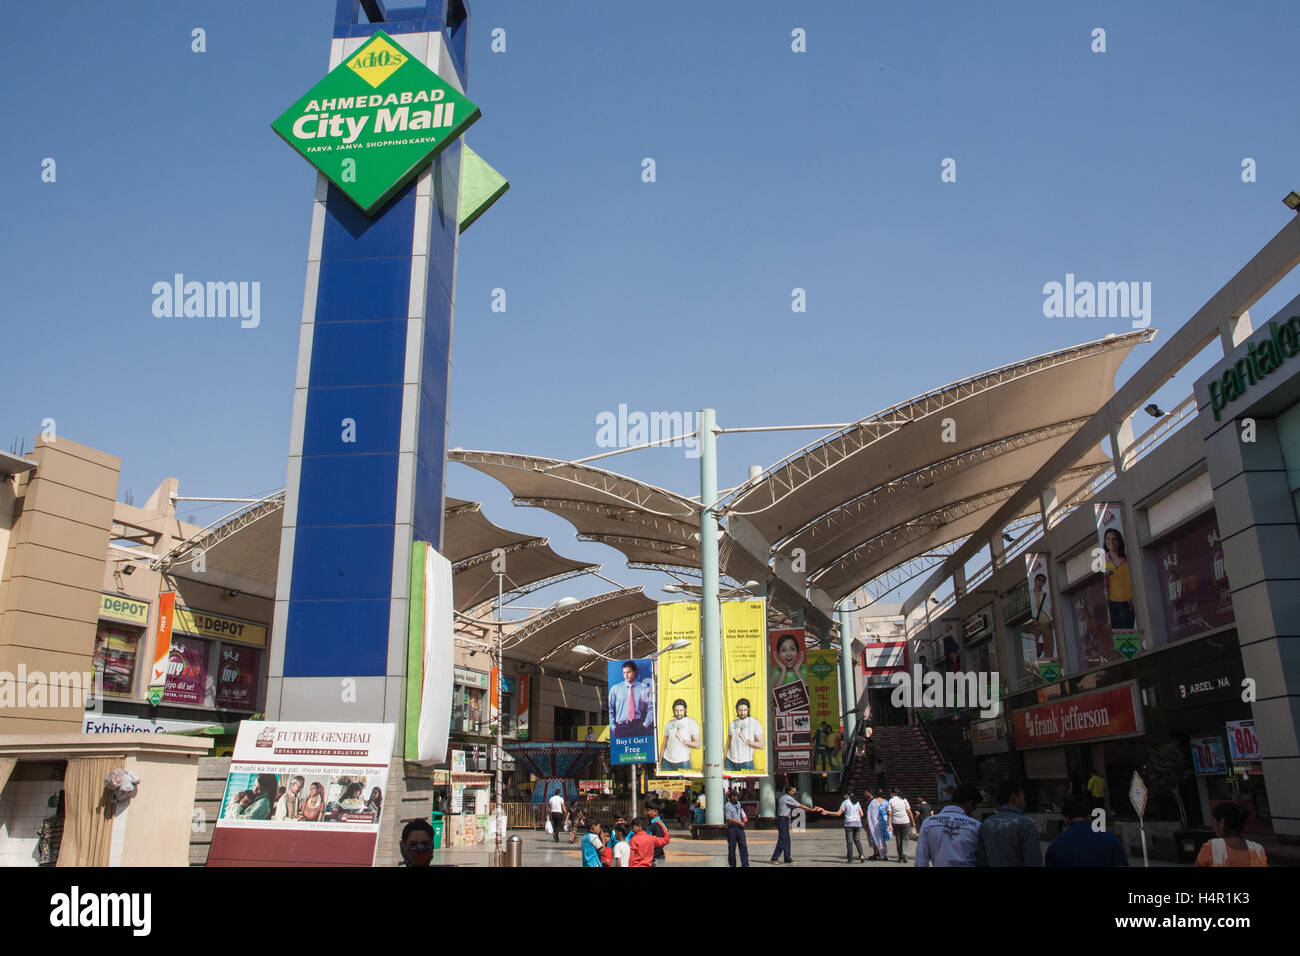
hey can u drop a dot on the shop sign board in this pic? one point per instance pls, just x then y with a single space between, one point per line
1112 712
375 121
206 624
1207 756
114 607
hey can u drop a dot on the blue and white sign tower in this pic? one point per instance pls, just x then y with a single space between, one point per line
368 440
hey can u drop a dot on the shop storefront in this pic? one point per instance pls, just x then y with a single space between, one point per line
122 623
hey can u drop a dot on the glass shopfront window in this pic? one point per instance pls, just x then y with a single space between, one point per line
115 657
1194 593
1089 616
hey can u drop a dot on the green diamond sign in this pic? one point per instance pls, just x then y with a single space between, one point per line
821 668
1127 643
1049 670
375 121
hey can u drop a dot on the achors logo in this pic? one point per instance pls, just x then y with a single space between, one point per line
377 62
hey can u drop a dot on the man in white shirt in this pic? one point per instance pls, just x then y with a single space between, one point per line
556 806
901 818
744 736
681 736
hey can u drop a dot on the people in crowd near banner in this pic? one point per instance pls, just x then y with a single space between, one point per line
593 842
786 805
1009 838
657 828
744 736
1229 847
733 814
622 848
681 736
1080 845
951 836
416 845
631 704
901 820
878 824
851 811
556 807
644 844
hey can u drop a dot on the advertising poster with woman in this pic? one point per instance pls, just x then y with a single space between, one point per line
744 679
681 707
1045 663
1118 573
791 701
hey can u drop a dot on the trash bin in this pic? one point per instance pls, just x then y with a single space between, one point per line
437 830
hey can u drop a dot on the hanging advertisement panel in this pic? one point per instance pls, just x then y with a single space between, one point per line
631 711
681 706
744 681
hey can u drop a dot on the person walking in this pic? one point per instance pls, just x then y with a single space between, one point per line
657 828
733 814
851 811
1009 838
878 825
902 820
923 812
950 837
556 805
784 807
1229 847
1079 844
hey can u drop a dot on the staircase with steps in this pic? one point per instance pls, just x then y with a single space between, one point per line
907 760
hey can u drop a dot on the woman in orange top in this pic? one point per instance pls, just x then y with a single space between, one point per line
1229 848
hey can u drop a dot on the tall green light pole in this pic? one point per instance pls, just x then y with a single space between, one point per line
710 610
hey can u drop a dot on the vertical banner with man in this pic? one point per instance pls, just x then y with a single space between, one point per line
791 711
824 710
1119 580
681 747
1040 638
744 679
631 711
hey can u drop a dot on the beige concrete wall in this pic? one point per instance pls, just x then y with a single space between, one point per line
7 501
53 571
158 825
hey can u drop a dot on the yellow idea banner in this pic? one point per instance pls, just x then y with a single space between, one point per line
681 702
744 679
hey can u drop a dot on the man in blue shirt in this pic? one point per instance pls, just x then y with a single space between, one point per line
1009 838
733 814
951 836
1080 845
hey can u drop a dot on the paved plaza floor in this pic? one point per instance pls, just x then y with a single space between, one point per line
815 847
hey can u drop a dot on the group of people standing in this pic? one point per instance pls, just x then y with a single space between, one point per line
883 818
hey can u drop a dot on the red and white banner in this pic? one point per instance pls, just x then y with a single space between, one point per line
1113 712
884 658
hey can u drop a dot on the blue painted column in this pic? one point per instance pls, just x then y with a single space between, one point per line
368 439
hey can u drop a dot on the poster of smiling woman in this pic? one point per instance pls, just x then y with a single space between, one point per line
1117 569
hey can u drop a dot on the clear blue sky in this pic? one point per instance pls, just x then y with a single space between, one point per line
775 170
